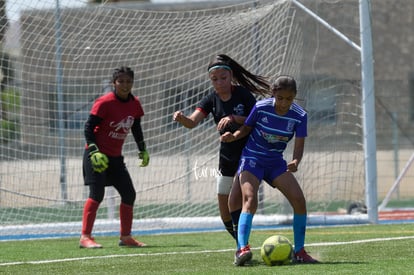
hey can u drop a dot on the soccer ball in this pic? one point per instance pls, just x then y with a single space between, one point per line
276 250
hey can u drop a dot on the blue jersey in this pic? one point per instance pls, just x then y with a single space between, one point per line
271 132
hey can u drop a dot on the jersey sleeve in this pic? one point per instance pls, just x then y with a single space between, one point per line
90 125
302 127
206 104
252 118
98 108
137 133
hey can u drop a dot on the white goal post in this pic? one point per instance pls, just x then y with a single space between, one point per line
60 59
368 100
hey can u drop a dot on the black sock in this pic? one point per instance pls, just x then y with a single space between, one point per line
235 215
229 227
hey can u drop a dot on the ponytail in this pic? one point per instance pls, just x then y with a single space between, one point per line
257 84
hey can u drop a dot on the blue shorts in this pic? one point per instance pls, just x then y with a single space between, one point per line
262 169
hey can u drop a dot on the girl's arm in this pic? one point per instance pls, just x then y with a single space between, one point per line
243 131
188 122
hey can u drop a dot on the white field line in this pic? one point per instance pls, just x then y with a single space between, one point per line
194 252
361 241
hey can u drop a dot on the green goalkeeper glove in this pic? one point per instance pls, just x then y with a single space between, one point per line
145 158
99 161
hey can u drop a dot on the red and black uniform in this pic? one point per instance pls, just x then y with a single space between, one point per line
110 120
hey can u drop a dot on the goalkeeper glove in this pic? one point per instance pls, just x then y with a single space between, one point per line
99 161
145 158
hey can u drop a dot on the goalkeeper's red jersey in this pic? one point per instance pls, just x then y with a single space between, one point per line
117 119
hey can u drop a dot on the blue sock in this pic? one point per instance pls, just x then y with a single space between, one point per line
245 226
235 215
299 230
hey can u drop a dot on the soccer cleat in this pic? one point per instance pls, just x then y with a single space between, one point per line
130 242
302 257
242 256
86 241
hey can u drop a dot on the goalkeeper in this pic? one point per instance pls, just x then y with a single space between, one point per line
111 118
229 102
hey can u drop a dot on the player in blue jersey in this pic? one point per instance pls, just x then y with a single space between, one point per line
272 123
229 102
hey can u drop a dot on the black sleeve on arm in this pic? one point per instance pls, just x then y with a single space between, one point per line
90 125
138 135
206 103
249 101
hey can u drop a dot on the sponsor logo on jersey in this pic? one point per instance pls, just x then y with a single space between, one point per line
273 138
123 125
121 128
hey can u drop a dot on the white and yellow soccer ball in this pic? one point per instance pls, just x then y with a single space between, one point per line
276 250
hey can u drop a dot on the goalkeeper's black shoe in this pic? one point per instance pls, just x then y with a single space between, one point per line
86 241
302 257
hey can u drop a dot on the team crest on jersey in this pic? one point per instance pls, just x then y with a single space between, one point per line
239 110
290 126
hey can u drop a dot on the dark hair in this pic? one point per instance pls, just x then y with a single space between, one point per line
284 82
257 84
122 70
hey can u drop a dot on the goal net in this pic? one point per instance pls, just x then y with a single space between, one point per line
57 58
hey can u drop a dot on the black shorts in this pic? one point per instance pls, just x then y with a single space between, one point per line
230 156
228 168
116 174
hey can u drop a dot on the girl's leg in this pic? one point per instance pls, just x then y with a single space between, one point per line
122 182
235 204
288 185
224 184
89 215
127 192
249 187
96 194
